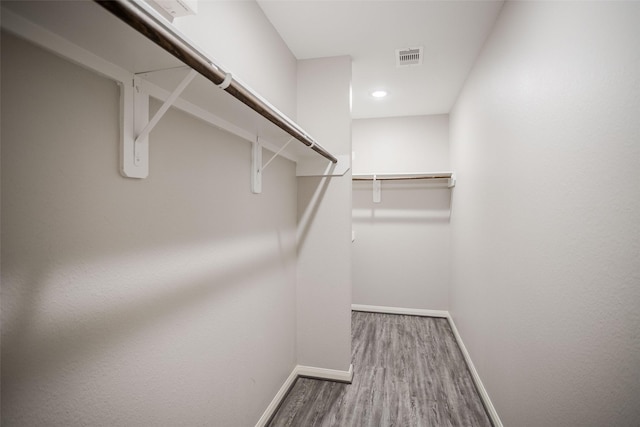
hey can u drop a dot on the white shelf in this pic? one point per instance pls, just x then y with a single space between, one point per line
403 176
86 33
447 178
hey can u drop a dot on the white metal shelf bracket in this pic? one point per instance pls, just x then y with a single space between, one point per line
136 126
452 181
377 186
256 164
323 167
304 167
378 178
256 167
277 154
134 114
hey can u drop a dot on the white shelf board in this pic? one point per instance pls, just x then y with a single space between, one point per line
94 29
90 26
402 176
447 178
204 95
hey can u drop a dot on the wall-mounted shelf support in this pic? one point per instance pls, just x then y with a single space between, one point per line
452 180
166 105
40 25
378 178
256 164
140 123
256 167
136 126
277 154
134 116
323 167
146 21
377 187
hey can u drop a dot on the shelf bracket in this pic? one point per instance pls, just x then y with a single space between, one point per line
256 167
136 126
134 113
376 189
167 104
277 154
323 167
452 181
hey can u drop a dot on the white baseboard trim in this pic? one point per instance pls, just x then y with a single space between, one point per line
326 374
476 378
400 310
347 376
302 371
278 398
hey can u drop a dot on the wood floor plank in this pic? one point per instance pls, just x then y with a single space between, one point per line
408 371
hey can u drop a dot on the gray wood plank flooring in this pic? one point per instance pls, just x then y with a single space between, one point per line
408 371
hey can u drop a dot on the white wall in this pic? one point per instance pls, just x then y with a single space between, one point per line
324 220
546 231
401 251
241 39
401 144
165 301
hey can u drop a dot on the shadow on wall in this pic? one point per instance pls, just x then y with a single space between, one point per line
401 202
100 314
308 205
115 289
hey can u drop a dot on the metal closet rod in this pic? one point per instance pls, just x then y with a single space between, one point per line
399 178
135 17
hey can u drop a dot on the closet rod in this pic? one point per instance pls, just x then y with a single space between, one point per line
133 15
399 178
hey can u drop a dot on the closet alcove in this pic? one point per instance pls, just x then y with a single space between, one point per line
401 210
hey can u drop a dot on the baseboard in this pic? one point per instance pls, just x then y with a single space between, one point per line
302 371
491 410
400 310
347 376
278 398
326 374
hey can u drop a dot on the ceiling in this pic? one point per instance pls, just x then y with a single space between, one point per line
451 32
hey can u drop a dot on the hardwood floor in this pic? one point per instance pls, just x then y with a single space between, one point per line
408 371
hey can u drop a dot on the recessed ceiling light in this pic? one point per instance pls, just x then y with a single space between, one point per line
379 93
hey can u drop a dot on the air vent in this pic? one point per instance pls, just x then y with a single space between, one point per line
178 8
409 56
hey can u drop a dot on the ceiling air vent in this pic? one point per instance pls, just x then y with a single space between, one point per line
178 8
409 56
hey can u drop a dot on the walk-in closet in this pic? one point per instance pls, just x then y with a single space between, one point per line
244 213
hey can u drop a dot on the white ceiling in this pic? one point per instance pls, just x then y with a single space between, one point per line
452 33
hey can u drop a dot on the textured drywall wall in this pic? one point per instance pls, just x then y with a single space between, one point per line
546 225
401 248
164 301
324 220
241 39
